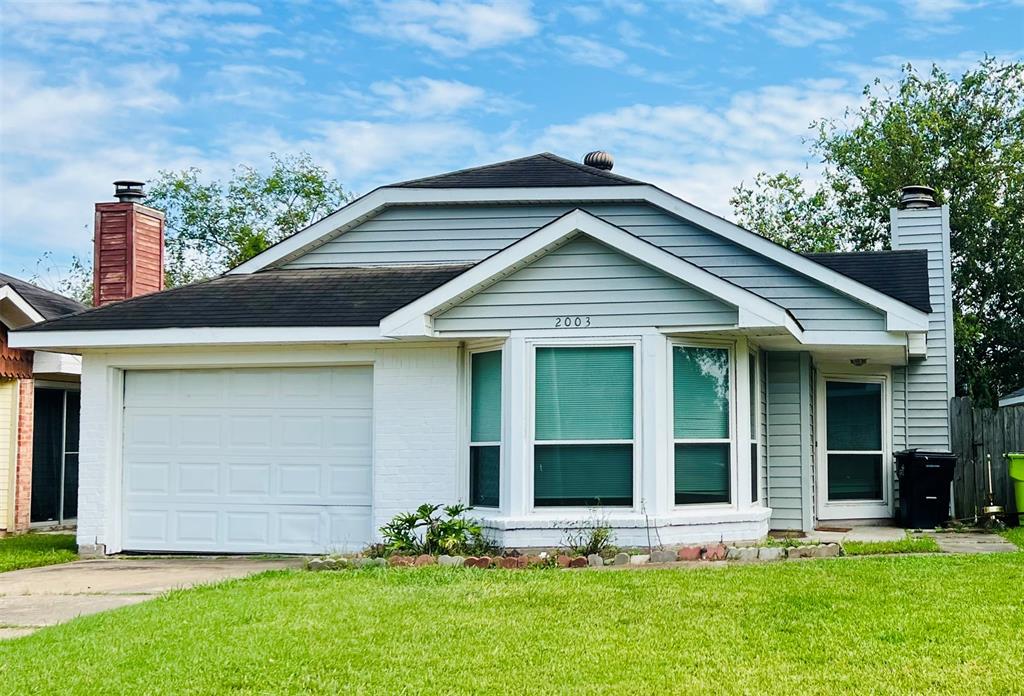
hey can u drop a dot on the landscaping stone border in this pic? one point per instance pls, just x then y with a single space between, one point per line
685 554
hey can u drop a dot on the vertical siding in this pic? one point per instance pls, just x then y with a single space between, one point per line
588 280
460 233
8 428
929 380
789 439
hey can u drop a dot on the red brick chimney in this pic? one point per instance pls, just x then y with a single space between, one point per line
128 254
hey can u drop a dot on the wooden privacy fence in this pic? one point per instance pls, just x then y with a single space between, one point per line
974 434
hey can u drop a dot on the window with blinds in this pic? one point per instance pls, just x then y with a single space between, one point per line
485 429
700 413
583 426
755 402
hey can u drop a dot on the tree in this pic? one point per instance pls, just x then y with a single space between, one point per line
213 226
963 137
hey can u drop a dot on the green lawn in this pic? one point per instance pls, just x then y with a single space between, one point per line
925 624
30 550
909 544
1016 535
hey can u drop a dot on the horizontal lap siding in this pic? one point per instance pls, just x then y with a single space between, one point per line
928 388
8 438
611 289
450 234
789 439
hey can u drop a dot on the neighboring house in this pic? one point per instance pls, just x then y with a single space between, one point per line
39 398
546 340
1015 398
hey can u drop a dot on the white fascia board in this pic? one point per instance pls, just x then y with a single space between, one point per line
754 311
917 344
21 305
45 362
855 338
120 338
899 316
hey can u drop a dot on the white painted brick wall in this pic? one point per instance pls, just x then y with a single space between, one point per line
416 423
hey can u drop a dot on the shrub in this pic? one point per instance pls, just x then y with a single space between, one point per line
589 537
430 532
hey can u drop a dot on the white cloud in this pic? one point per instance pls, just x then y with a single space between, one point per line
803 28
722 13
701 153
451 27
426 97
584 51
937 10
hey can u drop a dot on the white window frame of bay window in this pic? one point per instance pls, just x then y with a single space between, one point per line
734 487
635 343
755 412
467 424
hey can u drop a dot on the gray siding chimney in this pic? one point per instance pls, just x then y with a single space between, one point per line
920 223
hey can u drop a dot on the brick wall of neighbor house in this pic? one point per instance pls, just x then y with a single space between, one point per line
23 458
416 423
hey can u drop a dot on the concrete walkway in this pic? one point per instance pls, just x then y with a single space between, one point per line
36 597
862 533
973 542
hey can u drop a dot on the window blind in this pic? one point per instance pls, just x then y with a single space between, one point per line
702 473
485 397
584 393
854 414
585 475
700 392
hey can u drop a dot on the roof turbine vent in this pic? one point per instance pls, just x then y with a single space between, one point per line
128 191
599 159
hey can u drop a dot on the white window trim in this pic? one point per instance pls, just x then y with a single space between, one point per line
633 342
853 509
755 412
734 502
467 420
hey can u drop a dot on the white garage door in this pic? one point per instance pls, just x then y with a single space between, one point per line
248 460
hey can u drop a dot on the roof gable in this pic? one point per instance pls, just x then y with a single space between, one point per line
536 171
48 304
586 284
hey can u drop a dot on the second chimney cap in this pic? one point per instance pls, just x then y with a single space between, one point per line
917 196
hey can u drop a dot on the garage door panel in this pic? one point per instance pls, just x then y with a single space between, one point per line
250 460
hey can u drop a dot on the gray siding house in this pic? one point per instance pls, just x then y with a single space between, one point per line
546 340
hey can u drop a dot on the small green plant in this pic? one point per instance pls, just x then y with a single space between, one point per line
589 537
426 530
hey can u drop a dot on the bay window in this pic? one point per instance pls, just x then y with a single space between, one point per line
754 393
701 407
583 426
485 428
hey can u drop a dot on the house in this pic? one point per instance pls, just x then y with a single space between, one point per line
39 398
1015 398
549 341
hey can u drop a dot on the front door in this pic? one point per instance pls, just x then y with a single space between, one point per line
854 463
55 456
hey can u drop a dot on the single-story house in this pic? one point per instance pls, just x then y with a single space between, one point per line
1014 398
39 398
549 341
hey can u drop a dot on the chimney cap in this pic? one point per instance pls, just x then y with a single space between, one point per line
917 196
129 191
599 159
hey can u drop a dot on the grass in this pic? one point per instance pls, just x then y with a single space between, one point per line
909 544
31 550
885 625
1016 535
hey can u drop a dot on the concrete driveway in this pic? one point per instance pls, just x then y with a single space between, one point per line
37 597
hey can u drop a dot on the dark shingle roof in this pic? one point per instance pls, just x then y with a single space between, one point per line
902 274
543 170
49 304
308 297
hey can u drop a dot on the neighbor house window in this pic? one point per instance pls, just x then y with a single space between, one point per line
755 403
700 397
854 440
583 426
485 428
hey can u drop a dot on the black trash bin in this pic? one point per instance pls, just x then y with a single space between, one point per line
924 487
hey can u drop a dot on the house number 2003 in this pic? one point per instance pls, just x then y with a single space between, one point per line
572 322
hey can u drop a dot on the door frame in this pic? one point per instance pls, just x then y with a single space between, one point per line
853 510
64 388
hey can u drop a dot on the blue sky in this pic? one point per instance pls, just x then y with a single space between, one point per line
694 95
